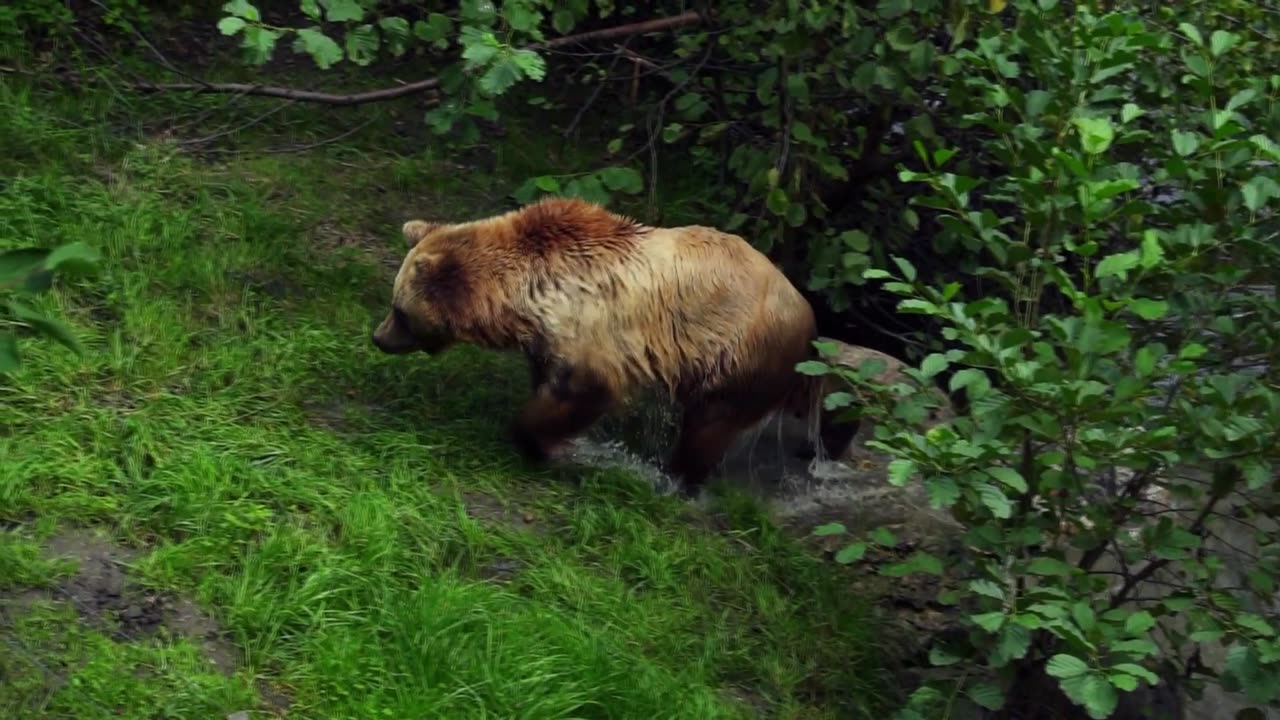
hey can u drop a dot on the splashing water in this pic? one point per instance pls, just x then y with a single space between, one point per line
767 461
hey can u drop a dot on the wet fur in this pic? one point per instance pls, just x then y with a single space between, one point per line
601 304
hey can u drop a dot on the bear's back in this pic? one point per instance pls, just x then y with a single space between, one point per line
682 304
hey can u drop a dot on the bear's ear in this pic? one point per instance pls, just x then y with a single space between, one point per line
415 230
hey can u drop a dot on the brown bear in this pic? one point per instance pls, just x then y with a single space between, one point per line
600 305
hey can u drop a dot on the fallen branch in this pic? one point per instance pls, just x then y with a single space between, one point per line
413 88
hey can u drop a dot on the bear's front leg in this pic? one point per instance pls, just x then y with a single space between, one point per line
563 406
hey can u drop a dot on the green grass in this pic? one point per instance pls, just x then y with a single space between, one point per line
357 524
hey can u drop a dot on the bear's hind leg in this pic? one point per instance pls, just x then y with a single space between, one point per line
563 406
712 422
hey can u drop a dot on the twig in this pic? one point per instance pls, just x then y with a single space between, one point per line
318 143
155 50
1154 566
249 123
420 86
582 111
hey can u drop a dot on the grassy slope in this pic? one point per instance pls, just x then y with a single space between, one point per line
342 513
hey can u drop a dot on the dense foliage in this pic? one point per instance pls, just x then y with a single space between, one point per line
1078 204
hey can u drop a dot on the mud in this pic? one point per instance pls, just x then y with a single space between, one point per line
107 599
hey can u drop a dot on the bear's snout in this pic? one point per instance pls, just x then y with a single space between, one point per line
392 339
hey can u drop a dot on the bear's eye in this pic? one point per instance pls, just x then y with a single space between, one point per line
401 318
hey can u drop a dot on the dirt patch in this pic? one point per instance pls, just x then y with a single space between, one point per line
331 238
490 510
107 599
335 413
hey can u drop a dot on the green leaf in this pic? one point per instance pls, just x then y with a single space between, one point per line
1037 101
1221 41
1015 641
231 25
1100 697
851 553
1127 683
890 9
1010 477
975 381
837 400
343 10
362 44
16 265
1096 134
259 43
918 563
1185 143
875 274
900 471
986 588
1048 566
991 621
857 241
908 270
1192 33
933 364
1137 671
547 183
1149 309
1139 623
796 215
1191 351
986 695
1063 666
777 201
436 29
533 65
883 536
813 367
939 657
479 47
1257 474
671 133
1258 191
73 257
322 48
1116 265
243 9
995 501
588 188
521 17
562 20
1130 112
501 76
396 30
832 528
9 359
1255 623
1152 252
943 492
622 179
45 325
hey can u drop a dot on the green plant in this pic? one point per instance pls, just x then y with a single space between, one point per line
1114 473
29 272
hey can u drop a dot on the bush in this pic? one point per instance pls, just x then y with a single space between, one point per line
1083 209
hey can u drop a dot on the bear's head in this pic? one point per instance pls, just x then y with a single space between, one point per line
425 290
